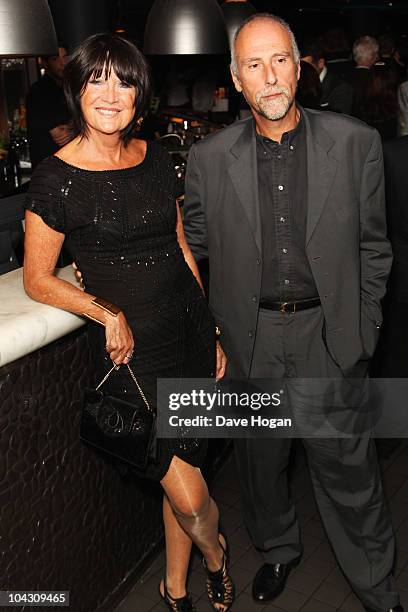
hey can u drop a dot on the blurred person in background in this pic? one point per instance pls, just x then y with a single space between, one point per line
336 95
47 113
337 52
401 55
390 56
402 58
402 97
365 53
309 89
379 103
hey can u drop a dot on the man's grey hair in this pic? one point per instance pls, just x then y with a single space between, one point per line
365 49
263 17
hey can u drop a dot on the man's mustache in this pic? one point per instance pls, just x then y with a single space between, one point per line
272 91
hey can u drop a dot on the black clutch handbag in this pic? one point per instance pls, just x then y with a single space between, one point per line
117 427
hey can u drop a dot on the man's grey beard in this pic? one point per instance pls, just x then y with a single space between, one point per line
277 108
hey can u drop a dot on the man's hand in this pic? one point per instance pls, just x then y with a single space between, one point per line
78 275
221 362
61 134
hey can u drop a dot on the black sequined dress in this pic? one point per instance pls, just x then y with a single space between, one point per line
120 227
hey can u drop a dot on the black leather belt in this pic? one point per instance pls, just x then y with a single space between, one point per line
290 307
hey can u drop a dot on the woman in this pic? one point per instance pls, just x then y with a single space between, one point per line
309 89
379 102
112 196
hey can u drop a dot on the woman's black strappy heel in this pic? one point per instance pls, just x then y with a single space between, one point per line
179 604
220 588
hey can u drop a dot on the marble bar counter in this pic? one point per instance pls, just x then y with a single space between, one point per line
26 325
70 519
66 512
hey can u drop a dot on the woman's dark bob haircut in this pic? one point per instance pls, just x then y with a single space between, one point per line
98 55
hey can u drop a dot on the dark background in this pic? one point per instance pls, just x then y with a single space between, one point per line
76 19
362 17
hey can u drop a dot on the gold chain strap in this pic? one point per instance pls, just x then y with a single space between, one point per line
139 388
105 378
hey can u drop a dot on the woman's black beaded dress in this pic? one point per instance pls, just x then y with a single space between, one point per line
120 227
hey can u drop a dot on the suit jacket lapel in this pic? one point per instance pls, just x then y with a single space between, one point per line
243 172
321 165
321 169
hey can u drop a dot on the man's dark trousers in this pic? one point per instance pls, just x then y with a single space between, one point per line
344 471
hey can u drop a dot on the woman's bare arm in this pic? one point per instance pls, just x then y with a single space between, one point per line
42 248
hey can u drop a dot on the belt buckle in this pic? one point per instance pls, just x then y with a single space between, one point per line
283 307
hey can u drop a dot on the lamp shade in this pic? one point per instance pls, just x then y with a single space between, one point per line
235 13
75 20
26 29
185 27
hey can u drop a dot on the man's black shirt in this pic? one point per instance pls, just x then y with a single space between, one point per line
282 179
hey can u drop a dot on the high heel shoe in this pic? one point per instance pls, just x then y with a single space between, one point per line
220 588
179 604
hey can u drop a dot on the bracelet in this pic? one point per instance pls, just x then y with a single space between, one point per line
112 309
217 332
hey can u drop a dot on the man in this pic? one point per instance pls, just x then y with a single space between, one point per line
366 54
288 205
47 113
337 95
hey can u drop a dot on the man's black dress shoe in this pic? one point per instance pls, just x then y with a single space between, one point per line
395 609
270 580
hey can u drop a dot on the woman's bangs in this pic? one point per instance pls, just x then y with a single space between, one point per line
116 60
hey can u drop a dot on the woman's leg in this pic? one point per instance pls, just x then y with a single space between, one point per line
178 550
194 509
197 514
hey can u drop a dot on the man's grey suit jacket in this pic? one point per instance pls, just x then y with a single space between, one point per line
346 242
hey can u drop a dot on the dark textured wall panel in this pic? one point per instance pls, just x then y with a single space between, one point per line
68 521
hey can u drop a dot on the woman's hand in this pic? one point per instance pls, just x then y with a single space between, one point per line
119 339
61 134
221 362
